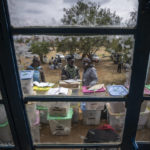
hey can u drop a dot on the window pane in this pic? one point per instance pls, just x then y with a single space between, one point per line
61 149
104 61
147 81
73 13
143 132
76 122
5 133
0 95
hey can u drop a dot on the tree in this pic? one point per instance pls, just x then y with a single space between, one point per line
89 14
68 44
123 46
86 14
89 45
40 48
133 19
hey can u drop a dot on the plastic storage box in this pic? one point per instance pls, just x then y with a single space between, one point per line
59 109
117 107
148 120
35 128
90 117
95 105
60 125
5 133
116 120
26 77
3 116
31 112
43 114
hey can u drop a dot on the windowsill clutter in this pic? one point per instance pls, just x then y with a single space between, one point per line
61 115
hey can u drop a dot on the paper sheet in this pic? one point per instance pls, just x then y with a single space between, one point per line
96 87
72 81
43 84
57 91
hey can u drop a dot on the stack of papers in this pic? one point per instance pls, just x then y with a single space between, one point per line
43 84
72 81
57 91
96 87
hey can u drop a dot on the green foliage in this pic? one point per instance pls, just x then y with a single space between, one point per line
20 40
133 19
115 45
67 45
122 46
89 14
27 40
40 48
89 45
86 14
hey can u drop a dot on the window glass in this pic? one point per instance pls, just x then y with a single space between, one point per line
147 81
5 133
75 65
143 132
0 95
90 13
76 122
59 149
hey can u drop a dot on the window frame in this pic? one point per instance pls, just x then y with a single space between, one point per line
13 97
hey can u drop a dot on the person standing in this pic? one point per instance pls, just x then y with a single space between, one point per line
70 71
89 77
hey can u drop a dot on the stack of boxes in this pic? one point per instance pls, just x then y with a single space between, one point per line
59 117
92 112
26 77
117 112
34 121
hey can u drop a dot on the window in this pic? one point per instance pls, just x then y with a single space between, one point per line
19 105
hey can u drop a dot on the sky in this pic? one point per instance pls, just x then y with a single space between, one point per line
50 12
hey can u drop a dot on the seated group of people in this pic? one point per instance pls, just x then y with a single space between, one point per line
55 62
70 71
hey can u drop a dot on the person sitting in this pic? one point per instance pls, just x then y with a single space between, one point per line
89 77
70 71
38 71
